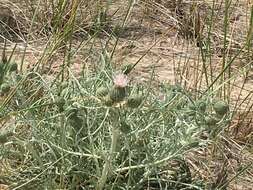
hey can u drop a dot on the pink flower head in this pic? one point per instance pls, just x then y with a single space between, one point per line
120 80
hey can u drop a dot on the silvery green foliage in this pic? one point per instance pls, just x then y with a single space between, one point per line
69 135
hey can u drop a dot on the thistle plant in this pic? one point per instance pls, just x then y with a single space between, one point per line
116 134
116 95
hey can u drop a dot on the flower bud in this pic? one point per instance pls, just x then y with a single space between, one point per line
117 94
134 101
5 88
210 120
201 106
221 108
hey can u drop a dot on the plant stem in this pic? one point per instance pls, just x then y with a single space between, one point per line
102 181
